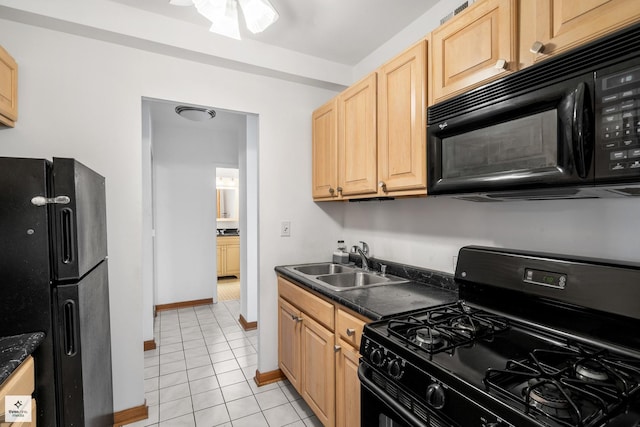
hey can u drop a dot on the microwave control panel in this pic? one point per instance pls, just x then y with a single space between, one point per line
617 127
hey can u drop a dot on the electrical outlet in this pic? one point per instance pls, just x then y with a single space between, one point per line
285 229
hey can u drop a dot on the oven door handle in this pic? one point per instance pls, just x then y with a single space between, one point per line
400 410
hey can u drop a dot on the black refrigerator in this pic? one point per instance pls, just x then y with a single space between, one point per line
53 278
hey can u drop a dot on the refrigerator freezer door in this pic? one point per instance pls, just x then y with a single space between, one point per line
80 226
25 286
83 345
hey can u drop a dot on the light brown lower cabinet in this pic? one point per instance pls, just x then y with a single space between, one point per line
228 256
20 382
347 385
318 351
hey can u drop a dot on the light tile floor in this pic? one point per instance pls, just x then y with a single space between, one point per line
201 374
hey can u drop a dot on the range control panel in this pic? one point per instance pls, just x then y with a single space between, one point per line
617 104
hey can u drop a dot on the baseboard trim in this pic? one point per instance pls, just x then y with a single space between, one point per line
184 304
247 326
268 377
131 415
150 345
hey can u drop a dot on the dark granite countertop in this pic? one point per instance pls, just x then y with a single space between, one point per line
427 288
15 349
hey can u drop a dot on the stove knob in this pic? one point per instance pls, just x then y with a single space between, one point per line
435 396
395 369
377 358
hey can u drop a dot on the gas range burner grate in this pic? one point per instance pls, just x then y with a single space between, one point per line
446 327
572 387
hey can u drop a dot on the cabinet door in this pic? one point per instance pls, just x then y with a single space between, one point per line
347 386
325 151
318 368
560 25
8 89
402 152
289 332
357 146
220 259
233 259
467 50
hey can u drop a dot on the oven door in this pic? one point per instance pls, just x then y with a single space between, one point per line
540 139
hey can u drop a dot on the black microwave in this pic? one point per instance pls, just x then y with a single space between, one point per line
568 127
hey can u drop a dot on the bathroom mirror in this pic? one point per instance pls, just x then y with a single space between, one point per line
227 194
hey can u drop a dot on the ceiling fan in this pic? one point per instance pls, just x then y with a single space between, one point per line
223 14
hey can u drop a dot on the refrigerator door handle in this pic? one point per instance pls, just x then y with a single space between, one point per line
43 201
70 328
67 235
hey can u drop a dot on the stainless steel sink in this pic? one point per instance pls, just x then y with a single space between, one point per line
318 269
343 278
349 280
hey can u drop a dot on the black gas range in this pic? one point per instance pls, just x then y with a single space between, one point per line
535 340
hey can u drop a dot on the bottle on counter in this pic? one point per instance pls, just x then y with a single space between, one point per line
341 256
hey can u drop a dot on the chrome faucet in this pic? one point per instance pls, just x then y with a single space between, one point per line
363 252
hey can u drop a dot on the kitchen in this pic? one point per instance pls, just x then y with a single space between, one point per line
63 74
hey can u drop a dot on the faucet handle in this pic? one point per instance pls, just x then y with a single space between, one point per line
365 247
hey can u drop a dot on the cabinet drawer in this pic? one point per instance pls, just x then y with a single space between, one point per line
321 311
349 328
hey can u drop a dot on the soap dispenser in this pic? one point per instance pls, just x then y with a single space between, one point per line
341 256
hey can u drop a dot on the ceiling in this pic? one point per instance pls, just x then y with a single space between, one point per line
343 31
163 115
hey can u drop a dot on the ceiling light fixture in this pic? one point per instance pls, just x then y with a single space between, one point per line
197 114
223 14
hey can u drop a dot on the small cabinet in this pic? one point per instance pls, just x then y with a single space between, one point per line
228 256
357 139
20 382
318 351
549 27
325 151
8 89
348 334
402 123
475 47
305 347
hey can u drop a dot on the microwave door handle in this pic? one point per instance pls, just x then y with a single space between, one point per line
581 130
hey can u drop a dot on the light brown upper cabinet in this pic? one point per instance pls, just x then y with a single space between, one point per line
357 139
402 123
325 151
8 89
474 47
549 27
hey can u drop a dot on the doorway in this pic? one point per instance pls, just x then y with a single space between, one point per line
228 233
184 201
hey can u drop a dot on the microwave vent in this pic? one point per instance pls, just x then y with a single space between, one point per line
603 52
628 191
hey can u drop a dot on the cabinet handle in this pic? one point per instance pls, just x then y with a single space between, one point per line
296 318
336 348
501 64
339 191
537 47
331 191
382 186
351 332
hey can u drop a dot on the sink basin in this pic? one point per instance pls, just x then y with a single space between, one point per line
350 280
318 269
340 277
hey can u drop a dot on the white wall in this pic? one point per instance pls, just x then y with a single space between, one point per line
185 161
82 98
148 285
428 232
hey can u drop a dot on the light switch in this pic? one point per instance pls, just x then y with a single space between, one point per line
285 229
